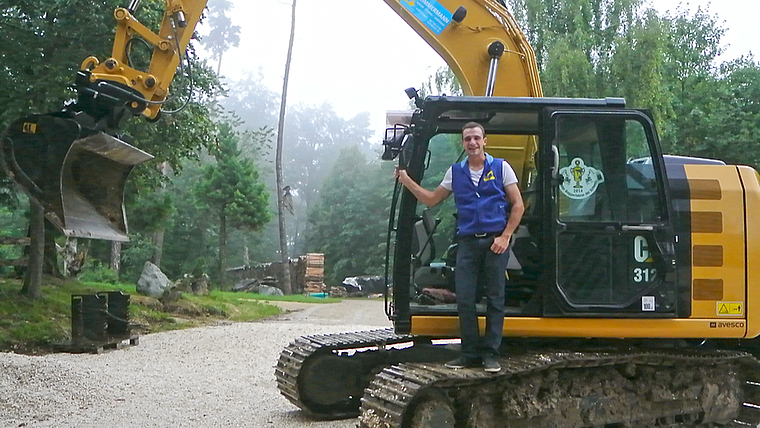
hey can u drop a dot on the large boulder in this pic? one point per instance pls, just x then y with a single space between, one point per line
267 290
152 281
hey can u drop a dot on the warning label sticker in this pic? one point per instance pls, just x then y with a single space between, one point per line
729 308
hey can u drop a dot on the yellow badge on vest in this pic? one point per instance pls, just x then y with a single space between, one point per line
489 176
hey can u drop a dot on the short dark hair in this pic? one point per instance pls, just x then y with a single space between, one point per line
470 125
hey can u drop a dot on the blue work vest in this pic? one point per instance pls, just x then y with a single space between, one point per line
481 209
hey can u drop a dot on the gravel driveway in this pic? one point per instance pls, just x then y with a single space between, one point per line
219 376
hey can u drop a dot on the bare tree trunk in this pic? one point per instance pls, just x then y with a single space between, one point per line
116 256
69 255
50 257
158 236
158 245
286 288
222 250
33 278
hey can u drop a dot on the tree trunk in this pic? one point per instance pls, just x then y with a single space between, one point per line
222 249
116 256
50 258
286 287
33 278
158 245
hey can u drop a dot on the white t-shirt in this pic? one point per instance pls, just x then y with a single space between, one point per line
507 173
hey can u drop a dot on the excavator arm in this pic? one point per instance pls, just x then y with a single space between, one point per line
142 91
72 162
482 44
473 37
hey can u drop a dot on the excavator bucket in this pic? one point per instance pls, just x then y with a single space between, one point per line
76 174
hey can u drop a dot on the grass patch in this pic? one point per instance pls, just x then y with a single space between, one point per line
32 326
291 298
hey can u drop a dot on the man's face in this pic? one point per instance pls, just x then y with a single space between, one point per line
473 141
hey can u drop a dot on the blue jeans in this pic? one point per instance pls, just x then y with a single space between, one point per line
479 267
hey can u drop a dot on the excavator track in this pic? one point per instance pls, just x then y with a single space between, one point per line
325 375
571 389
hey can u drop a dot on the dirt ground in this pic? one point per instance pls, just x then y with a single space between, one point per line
220 376
347 312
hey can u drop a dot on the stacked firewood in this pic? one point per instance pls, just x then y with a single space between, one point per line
315 273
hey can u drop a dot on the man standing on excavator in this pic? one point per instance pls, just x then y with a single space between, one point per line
490 207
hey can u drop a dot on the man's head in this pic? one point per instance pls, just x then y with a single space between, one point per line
473 139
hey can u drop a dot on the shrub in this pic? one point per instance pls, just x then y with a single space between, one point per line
97 272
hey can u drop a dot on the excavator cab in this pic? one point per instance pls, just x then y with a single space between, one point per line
596 238
75 173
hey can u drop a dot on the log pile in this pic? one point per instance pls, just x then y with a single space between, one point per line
315 273
301 281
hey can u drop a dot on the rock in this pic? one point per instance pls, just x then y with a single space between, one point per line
199 285
191 284
184 283
267 290
152 281
338 292
170 295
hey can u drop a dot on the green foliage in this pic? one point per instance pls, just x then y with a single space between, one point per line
43 48
134 254
349 219
95 271
13 222
720 119
231 187
662 62
232 191
191 242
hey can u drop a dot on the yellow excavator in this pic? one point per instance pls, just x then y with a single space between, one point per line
73 162
633 278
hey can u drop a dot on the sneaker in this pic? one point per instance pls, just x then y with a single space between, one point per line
463 362
491 364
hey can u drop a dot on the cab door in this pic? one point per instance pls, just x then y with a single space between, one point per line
608 224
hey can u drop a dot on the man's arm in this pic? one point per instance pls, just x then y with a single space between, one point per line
427 197
501 242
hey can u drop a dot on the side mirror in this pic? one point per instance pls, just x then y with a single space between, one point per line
395 140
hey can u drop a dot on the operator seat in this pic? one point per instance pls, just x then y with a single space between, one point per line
428 274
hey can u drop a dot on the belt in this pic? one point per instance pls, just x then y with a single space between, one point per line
480 235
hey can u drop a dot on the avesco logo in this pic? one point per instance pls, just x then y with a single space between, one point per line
727 324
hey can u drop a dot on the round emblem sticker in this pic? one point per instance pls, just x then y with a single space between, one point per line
579 181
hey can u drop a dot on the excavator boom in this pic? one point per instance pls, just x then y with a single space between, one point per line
470 35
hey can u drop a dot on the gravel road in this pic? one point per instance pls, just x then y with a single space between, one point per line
218 376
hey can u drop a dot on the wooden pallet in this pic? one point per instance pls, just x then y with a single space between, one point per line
97 347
